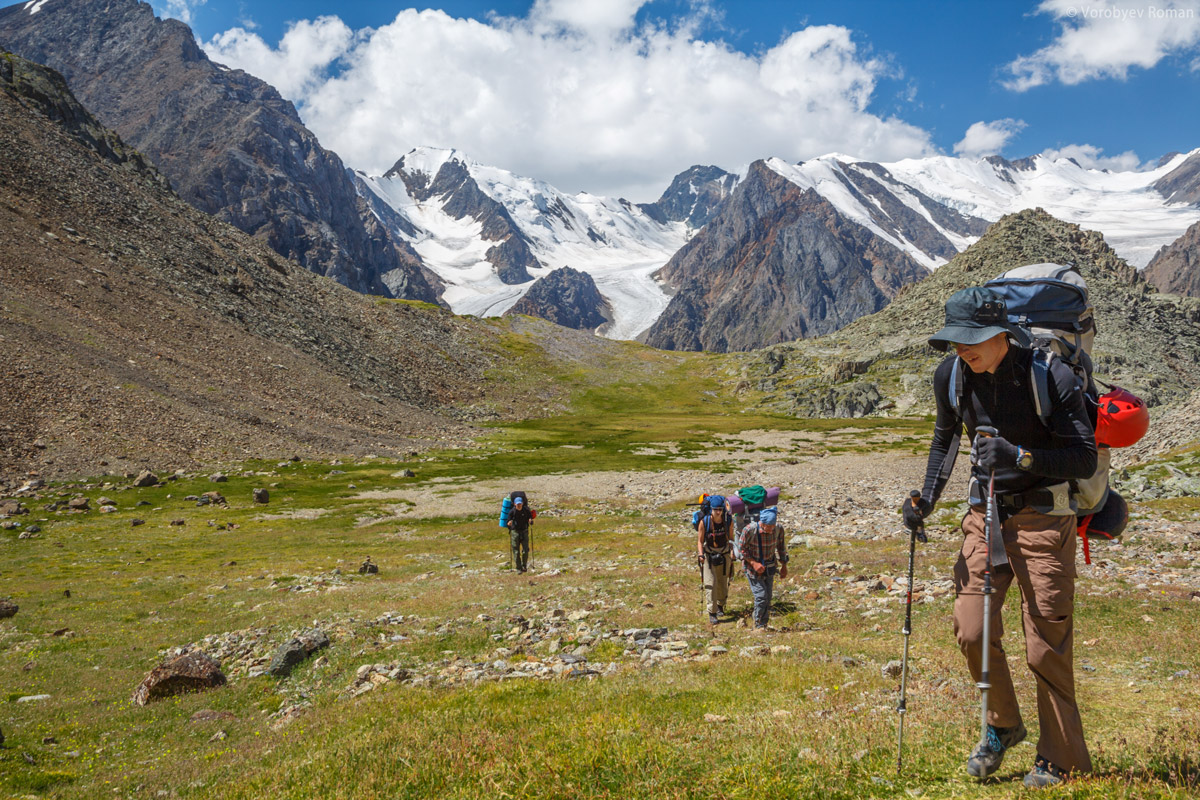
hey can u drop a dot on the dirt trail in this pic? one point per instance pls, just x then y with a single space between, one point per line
867 480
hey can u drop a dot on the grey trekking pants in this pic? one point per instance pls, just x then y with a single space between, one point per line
761 586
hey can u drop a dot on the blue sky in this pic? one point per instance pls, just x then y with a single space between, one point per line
614 96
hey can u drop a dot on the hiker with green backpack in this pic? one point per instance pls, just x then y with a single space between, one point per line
1032 438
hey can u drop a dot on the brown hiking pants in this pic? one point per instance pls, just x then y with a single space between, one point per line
1041 549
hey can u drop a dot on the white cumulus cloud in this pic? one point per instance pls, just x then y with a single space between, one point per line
576 93
1092 157
297 65
988 138
1107 38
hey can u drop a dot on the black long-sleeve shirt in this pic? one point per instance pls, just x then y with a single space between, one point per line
520 518
1004 400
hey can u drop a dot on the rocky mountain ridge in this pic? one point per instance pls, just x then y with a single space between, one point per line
1146 341
693 196
230 145
461 198
775 263
137 331
1176 267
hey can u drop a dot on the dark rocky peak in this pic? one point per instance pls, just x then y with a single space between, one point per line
45 91
1176 267
460 196
1166 158
230 145
565 297
693 196
1182 184
776 263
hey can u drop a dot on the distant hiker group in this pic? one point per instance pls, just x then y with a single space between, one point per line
741 529
1020 381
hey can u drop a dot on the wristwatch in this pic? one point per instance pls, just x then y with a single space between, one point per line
1024 458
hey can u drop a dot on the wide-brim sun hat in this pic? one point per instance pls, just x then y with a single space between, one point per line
973 316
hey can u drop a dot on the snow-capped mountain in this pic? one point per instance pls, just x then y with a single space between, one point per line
935 207
487 233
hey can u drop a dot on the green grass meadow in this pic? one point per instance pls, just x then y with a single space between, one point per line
101 599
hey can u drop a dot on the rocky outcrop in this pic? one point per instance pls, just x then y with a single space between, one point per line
230 145
461 198
694 196
1176 267
776 263
190 672
295 651
1182 184
45 91
565 297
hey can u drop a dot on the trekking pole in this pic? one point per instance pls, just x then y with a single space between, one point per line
984 680
917 533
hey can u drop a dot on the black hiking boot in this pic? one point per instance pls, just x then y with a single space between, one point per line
989 753
713 619
1043 774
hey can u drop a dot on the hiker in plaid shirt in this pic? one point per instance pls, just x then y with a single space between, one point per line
764 551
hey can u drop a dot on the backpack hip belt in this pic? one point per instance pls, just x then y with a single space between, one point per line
1053 500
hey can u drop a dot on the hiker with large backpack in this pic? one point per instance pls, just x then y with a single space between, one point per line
517 515
762 547
1033 443
714 553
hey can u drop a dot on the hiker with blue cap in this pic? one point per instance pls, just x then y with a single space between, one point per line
518 522
764 552
714 554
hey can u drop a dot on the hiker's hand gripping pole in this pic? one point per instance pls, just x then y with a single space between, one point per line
917 532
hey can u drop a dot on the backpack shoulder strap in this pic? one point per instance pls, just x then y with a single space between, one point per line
955 387
1039 383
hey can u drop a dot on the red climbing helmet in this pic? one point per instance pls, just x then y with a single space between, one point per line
1122 418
